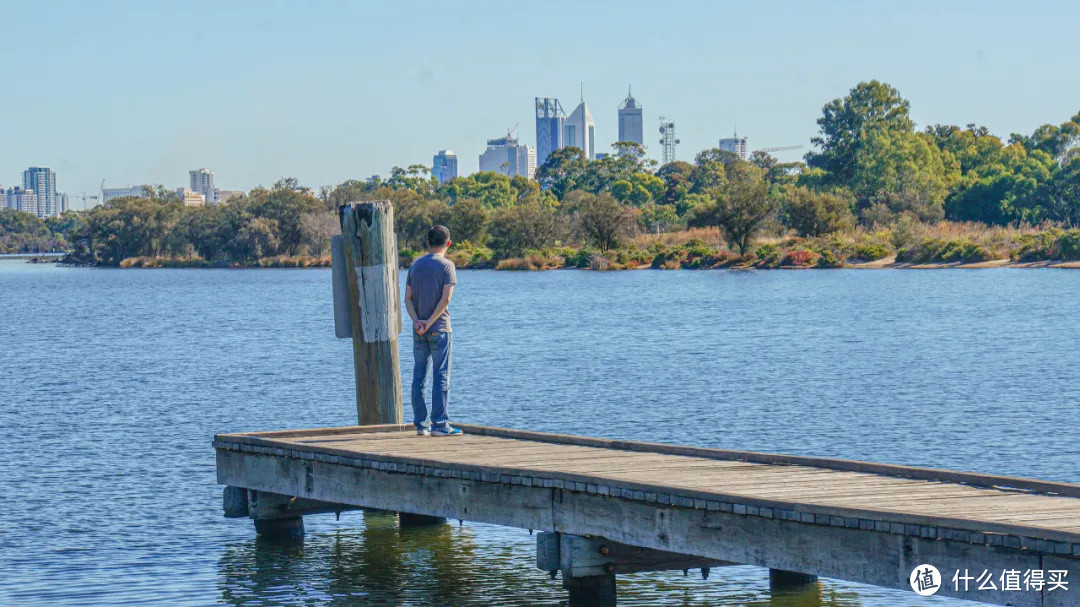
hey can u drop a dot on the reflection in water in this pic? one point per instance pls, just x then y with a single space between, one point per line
368 561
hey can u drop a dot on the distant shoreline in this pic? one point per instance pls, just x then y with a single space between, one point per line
887 263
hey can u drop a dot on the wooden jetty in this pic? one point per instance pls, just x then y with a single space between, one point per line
864 522
607 507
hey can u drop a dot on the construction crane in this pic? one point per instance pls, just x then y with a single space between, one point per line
100 196
87 196
509 132
780 149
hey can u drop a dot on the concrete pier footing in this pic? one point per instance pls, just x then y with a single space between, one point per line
290 528
789 580
406 520
593 590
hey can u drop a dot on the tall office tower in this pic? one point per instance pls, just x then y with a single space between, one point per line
736 145
549 127
444 166
42 180
505 156
579 130
630 121
202 182
61 202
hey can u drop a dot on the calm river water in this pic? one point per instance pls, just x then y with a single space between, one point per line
113 382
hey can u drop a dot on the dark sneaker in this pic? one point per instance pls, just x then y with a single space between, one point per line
446 431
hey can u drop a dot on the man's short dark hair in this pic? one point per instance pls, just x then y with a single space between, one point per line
438 236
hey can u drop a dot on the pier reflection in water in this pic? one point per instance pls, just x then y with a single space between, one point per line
367 560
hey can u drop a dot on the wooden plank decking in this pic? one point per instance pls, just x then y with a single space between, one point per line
602 487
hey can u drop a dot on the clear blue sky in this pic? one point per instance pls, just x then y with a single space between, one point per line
136 92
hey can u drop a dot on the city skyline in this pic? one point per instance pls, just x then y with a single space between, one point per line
715 65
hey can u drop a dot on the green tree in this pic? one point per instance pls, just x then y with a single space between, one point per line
903 170
677 178
492 189
283 205
640 196
1004 191
563 171
741 208
416 177
812 213
657 218
710 170
255 237
530 225
204 230
622 189
844 122
1061 195
603 221
349 191
1055 141
468 221
25 233
126 227
652 184
524 187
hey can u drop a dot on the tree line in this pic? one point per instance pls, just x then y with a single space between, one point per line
870 167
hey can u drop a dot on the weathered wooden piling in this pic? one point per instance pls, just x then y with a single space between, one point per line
374 314
371 260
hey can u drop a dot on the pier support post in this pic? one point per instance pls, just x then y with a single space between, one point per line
274 516
282 529
589 564
371 260
789 580
592 590
407 519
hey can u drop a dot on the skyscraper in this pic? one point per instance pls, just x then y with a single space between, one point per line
202 182
630 128
20 199
736 145
549 127
580 130
42 180
444 166
505 156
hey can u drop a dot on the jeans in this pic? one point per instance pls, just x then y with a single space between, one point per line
436 346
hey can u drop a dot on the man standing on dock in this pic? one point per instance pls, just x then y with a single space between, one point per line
428 290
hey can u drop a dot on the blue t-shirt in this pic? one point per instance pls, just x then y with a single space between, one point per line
427 277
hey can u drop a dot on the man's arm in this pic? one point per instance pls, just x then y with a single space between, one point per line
444 302
416 324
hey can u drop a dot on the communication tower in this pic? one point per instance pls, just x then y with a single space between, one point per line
668 140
